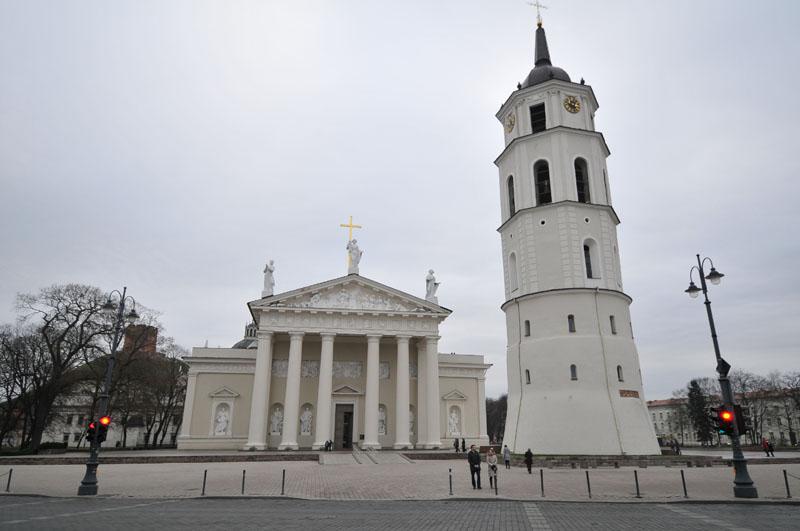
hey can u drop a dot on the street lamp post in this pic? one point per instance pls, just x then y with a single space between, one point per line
743 486
88 486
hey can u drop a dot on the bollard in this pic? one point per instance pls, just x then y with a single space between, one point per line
11 471
588 485
785 481
450 472
636 479
243 474
683 480
283 481
496 481
205 475
541 480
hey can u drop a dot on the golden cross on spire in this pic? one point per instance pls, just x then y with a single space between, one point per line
539 6
349 225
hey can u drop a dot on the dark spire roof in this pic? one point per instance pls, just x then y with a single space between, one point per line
543 69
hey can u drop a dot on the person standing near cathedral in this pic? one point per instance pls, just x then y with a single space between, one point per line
491 465
529 459
474 460
463 445
455 444
507 457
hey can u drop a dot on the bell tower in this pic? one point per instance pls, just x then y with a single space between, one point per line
574 383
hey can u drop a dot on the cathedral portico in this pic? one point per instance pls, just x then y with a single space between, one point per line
350 361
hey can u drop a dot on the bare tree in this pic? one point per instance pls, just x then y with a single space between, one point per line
681 416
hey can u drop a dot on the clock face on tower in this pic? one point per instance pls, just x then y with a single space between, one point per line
510 122
572 104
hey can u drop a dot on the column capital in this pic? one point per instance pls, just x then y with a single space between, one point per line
296 335
373 338
403 338
327 336
264 334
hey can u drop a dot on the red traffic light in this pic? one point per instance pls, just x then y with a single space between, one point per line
105 421
724 415
91 425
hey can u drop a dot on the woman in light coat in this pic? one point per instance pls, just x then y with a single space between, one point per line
491 462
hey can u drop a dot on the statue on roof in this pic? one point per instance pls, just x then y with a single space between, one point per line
430 288
355 256
269 279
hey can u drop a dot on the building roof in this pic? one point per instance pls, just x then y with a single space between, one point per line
543 69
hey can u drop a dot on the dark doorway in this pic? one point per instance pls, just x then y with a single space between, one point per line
343 430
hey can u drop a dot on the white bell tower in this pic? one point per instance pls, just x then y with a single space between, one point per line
574 383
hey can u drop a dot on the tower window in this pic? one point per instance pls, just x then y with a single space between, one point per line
619 373
573 372
613 324
538 118
582 181
527 376
527 328
512 207
571 323
587 257
512 272
541 175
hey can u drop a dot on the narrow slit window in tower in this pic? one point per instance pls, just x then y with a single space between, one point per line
571 323
619 373
613 324
582 181
573 372
512 272
538 118
527 376
512 207
541 174
527 328
587 257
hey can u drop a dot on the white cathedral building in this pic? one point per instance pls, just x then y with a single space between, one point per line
574 383
349 360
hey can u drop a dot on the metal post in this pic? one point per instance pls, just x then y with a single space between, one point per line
636 479
11 471
283 482
588 484
683 480
205 475
244 472
785 481
743 486
541 480
88 484
450 472
496 481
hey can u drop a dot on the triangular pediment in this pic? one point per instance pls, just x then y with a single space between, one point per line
454 395
224 392
347 390
352 293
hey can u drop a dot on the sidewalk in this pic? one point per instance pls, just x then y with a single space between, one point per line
420 480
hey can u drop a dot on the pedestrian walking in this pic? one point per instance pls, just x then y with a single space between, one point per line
507 457
455 444
529 459
676 446
765 445
491 465
771 449
474 460
463 445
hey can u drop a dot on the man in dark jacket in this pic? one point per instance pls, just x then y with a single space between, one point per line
529 460
474 459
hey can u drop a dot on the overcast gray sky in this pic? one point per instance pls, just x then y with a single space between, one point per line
174 146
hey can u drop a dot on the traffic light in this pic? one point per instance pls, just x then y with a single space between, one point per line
91 431
102 431
725 419
741 420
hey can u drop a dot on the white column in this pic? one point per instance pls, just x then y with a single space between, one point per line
371 394
323 429
257 434
188 406
432 366
422 393
291 405
482 409
402 439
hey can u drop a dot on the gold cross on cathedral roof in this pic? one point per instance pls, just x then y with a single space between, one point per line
350 226
539 6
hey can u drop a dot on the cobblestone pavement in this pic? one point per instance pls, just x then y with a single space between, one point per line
420 480
22 512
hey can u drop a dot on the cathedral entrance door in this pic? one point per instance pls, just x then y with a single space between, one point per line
343 430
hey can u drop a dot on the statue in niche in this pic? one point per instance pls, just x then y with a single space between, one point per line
430 288
269 279
305 421
382 421
355 256
221 420
276 422
452 422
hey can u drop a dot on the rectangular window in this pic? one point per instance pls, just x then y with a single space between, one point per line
571 323
527 328
65 438
613 325
76 437
538 118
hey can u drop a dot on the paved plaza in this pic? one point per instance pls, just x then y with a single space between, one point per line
228 513
390 476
